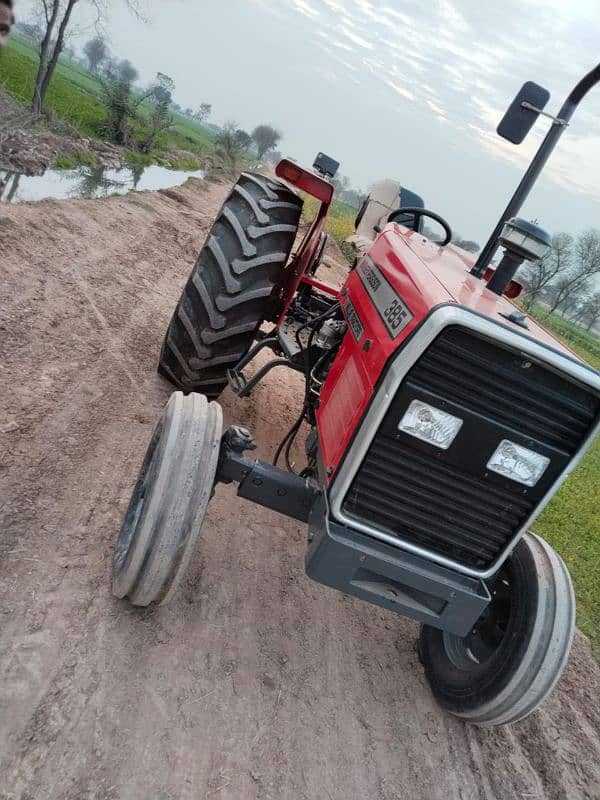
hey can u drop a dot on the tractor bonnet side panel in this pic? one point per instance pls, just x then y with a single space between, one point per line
384 299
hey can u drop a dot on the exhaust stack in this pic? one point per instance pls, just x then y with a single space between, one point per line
522 241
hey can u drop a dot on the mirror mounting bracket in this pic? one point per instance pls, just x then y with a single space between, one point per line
555 120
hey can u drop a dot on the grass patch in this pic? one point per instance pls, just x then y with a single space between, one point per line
135 159
75 160
585 343
185 164
571 522
66 99
339 223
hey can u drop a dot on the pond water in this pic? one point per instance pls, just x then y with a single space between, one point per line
88 182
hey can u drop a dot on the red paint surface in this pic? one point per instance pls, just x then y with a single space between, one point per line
305 180
425 276
320 286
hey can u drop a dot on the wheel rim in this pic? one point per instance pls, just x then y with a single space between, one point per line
489 632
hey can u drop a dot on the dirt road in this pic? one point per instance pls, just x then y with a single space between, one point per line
255 682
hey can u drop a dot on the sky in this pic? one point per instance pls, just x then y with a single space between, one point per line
406 89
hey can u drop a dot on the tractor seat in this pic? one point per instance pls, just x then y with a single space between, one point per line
384 197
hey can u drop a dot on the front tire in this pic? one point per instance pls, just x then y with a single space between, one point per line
169 501
509 663
233 287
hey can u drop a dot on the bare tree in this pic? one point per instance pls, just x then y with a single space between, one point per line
126 71
203 113
56 18
160 119
229 149
542 273
589 313
266 138
69 52
341 183
243 139
96 52
571 300
587 264
121 101
354 198
31 30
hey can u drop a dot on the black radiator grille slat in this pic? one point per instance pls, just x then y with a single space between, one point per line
454 372
454 544
471 530
425 499
469 489
383 493
431 499
573 412
531 413
456 345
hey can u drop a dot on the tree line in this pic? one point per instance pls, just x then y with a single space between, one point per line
124 99
566 280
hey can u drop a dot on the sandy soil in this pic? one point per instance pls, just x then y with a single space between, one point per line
255 682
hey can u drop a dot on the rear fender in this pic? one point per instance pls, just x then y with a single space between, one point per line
299 268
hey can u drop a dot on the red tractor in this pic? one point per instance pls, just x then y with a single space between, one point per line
442 420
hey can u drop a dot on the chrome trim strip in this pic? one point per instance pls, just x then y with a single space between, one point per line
408 355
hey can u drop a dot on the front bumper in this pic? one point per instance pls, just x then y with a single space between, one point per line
365 567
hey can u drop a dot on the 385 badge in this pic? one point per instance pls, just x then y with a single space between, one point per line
393 311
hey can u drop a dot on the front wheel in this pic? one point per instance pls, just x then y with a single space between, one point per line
514 655
169 501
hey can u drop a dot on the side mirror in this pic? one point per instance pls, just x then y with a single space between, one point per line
523 112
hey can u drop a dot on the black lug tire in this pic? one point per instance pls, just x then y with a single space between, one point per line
532 654
169 501
231 290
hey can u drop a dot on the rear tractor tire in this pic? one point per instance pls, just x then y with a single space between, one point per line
233 287
169 501
511 660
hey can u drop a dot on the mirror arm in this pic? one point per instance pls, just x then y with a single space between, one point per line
537 164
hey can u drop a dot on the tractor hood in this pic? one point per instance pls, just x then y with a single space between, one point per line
442 274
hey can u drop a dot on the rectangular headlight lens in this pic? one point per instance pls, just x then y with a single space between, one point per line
518 463
430 424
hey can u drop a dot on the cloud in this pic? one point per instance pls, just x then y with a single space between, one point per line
356 39
460 63
304 7
401 90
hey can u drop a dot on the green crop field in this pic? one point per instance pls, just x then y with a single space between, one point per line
75 96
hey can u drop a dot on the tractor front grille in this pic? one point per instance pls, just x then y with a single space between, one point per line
446 501
506 387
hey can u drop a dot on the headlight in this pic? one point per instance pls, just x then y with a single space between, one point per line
518 463
430 424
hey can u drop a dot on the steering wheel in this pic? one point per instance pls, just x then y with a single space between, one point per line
423 212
